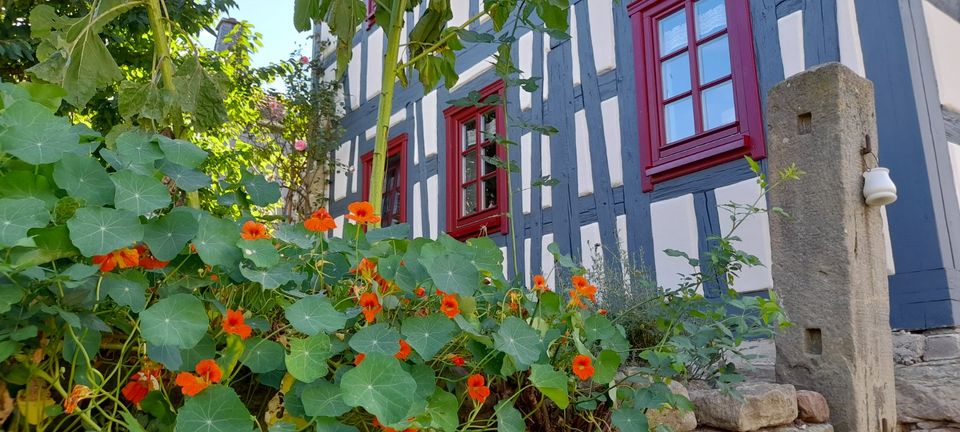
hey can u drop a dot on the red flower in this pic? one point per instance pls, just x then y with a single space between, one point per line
147 260
140 384
457 360
449 306
404 352
361 212
371 306
420 292
79 393
602 311
584 288
207 372
582 367
123 258
253 230
540 284
359 358
320 221
476 388
575 300
233 323
366 268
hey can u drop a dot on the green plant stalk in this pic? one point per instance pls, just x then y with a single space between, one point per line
386 106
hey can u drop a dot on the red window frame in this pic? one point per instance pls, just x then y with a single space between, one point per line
395 147
483 221
705 148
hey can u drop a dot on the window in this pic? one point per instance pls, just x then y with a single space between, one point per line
394 201
476 188
698 100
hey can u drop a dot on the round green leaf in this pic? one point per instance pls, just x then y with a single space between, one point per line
181 152
509 418
608 363
428 334
9 295
629 420
262 355
551 383
451 275
307 359
185 178
380 386
323 399
85 178
295 234
261 252
442 408
98 230
261 191
34 134
137 148
127 289
215 409
216 241
314 314
168 235
139 193
17 216
179 320
377 338
519 341
274 277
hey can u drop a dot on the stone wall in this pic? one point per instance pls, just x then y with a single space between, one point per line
928 380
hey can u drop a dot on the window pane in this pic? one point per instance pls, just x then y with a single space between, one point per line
673 32
679 119
470 166
489 125
718 107
714 59
469 200
490 192
469 133
489 151
676 75
711 17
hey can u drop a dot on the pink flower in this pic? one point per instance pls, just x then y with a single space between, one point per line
300 145
304 60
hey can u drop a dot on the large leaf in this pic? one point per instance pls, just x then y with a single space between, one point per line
428 334
628 420
179 320
261 355
216 241
127 289
34 134
295 234
307 359
168 235
185 178
84 178
261 252
551 383
452 275
261 191
442 408
199 95
380 386
97 231
182 152
323 399
145 100
139 193
314 314
520 341
26 184
17 216
608 363
137 148
377 338
509 418
274 277
215 409
9 295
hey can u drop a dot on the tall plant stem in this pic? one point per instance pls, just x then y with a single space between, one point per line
386 105
162 48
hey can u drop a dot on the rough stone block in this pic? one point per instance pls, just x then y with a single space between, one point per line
929 392
907 348
942 347
763 405
812 407
677 420
800 428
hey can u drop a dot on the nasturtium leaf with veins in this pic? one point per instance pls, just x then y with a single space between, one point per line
179 320
216 409
607 365
261 252
168 235
551 383
216 241
429 334
17 216
139 193
98 230
137 148
380 386
442 408
84 178
307 359
626 419
323 399
377 338
181 152
274 277
451 275
185 178
262 355
34 134
509 418
261 191
314 314
295 234
520 341
128 289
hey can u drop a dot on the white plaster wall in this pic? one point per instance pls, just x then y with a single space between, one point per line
506 267
584 169
674 226
340 178
374 65
353 77
338 231
546 192
474 71
790 31
851 54
574 46
417 211
754 234
546 67
527 253
602 35
433 205
430 129
525 64
590 247
355 168
611 137
944 33
461 12
891 267
526 142
546 261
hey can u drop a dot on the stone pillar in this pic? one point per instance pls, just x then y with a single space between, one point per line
829 258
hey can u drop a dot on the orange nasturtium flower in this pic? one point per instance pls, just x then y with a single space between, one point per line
147 260
359 358
450 306
457 360
584 288
366 268
79 393
371 306
320 221
253 230
420 292
141 383
233 323
476 388
404 352
361 212
123 258
582 367
575 300
207 372
540 284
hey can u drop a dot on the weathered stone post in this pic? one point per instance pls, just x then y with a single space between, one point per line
828 258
